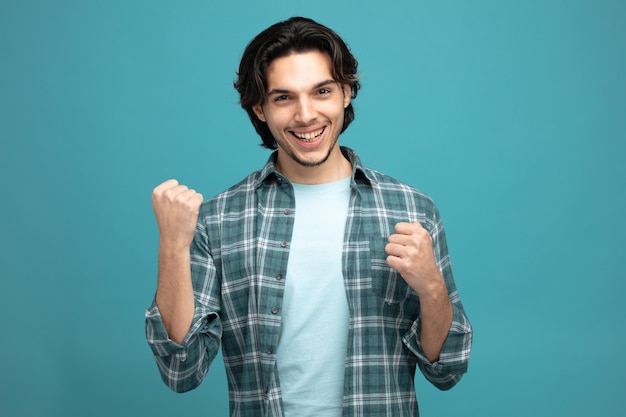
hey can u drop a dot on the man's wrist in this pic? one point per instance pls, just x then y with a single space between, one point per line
173 248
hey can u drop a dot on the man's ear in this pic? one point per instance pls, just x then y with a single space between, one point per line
347 95
258 110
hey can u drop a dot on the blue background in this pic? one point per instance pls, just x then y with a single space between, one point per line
511 115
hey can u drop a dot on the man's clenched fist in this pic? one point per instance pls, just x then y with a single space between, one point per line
176 209
410 252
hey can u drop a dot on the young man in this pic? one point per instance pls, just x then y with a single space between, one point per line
325 282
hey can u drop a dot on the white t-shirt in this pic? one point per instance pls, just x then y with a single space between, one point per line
312 350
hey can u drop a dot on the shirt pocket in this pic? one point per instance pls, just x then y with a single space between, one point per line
387 283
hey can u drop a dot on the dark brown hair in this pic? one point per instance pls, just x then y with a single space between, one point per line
297 34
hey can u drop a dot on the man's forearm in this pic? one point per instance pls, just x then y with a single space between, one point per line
436 311
175 292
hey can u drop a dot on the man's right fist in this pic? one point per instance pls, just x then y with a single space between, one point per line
176 209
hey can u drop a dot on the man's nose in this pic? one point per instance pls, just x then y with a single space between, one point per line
305 111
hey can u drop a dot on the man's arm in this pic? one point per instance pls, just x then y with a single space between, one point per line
443 333
410 252
176 209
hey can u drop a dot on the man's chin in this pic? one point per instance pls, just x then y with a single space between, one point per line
312 160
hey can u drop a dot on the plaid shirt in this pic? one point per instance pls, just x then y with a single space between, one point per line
238 260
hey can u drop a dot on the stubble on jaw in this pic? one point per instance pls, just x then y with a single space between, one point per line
291 154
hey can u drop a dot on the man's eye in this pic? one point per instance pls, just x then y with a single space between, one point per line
281 98
323 91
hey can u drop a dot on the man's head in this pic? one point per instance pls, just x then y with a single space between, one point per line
296 35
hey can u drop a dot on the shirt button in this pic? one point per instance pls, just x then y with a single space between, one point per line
283 244
269 351
279 276
287 212
274 310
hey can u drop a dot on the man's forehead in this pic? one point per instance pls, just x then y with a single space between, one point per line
299 70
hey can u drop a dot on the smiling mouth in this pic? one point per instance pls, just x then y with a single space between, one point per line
309 136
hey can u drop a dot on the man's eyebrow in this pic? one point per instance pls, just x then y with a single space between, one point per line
315 87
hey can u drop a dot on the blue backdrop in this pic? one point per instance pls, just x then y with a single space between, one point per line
510 114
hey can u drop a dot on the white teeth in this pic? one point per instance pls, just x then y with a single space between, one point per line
310 135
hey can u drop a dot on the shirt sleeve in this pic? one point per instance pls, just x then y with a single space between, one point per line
455 353
184 366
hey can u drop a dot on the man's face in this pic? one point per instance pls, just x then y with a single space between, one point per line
304 109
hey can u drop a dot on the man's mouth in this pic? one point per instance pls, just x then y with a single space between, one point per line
309 136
